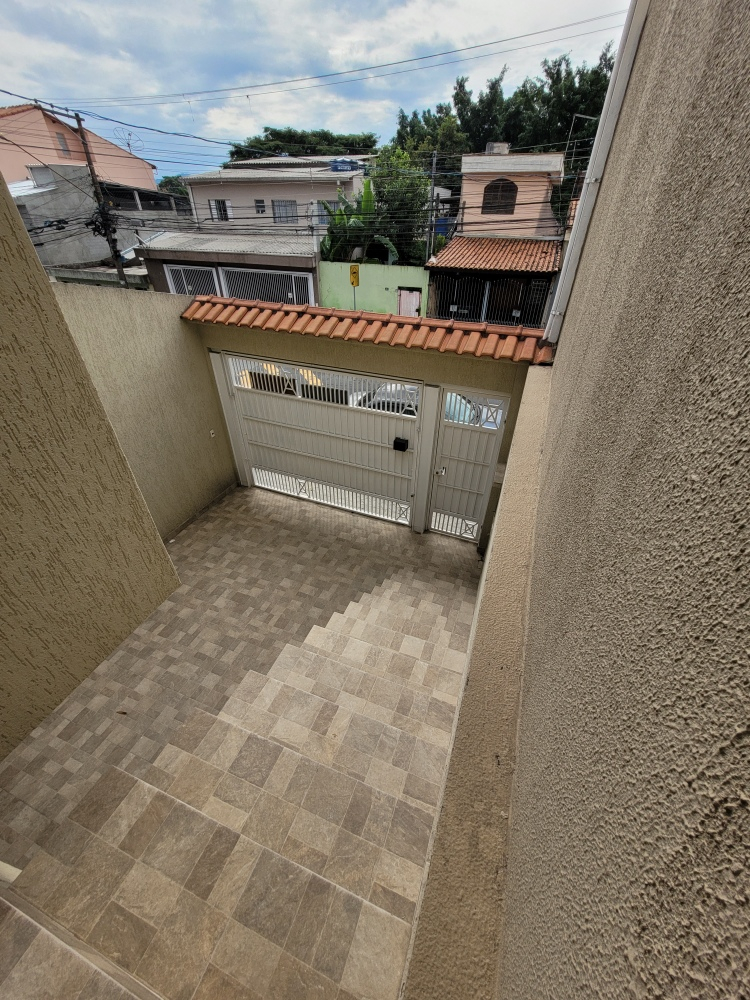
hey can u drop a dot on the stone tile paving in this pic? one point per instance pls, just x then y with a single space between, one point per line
271 842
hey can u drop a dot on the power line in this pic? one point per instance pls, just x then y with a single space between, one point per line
189 95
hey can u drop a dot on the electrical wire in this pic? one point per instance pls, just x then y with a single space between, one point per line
189 95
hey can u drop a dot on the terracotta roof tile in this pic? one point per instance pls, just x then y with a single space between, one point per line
481 253
480 340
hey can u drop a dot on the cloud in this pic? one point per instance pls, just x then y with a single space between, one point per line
83 50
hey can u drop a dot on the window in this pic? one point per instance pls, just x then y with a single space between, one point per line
284 211
220 209
62 142
260 206
187 280
500 198
321 216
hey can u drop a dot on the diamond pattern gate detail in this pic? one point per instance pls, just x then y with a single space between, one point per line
471 429
327 436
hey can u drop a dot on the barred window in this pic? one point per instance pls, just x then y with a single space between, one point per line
500 198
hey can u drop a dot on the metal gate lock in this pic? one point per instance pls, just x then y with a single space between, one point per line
400 444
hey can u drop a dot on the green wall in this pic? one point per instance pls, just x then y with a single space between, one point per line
378 286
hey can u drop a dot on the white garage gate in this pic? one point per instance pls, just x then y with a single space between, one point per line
411 453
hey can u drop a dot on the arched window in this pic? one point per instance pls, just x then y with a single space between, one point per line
500 197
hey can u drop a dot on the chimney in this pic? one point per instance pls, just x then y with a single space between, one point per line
498 148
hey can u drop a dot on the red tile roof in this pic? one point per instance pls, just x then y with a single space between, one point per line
482 253
14 109
481 340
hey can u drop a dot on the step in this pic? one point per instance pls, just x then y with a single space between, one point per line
42 958
185 904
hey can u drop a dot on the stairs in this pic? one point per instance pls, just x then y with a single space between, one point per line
282 853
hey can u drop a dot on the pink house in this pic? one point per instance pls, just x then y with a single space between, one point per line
30 136
510 194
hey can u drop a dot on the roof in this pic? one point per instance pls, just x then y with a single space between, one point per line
483 253
285 175
289 161
15 109
279 244
23 189
479 340
513 163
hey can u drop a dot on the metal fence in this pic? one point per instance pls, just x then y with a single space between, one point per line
510 300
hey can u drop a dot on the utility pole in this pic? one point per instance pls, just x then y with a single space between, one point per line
428 239
103 207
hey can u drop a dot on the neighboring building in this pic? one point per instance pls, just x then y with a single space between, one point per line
510 194
274 191
29 134
500 280
57 206
394 288
502 264
275 267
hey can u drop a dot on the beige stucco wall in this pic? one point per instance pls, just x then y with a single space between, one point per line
82 563
243 192
533 215
429 366
154 378
629 868
459 924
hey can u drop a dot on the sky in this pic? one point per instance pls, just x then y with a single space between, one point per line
144 63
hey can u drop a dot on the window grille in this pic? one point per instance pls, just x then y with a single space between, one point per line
500 197
284 210
260 206
321 216
186 280
220 209
510 300
268 286
376 395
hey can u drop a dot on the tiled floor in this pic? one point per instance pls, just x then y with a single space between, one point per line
239 801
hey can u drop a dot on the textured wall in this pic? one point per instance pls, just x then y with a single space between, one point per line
459 925
82 563
628 874
378 286
153 375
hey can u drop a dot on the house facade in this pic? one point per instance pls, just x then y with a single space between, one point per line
510 194
501 265
58 206
286 191
31 135
275 267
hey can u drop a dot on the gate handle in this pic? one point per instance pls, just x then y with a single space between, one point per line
441 472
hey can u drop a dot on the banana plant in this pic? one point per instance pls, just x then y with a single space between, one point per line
354 225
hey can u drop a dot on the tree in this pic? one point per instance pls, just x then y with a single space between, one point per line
387 221
173 184
402 193
537 115
301 142
482 120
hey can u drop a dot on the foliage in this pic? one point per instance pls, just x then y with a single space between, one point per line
538 114
301 142
387 220
356 225
402 193
173 184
